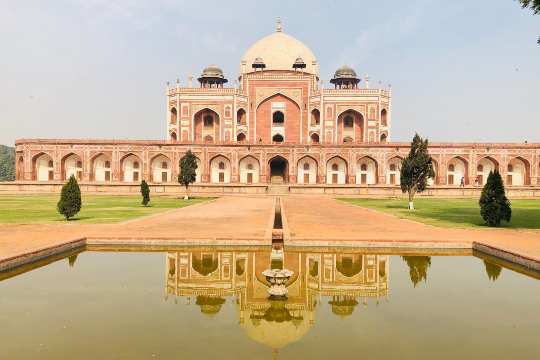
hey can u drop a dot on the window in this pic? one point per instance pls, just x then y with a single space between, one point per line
277 138
480 168
335 167
136 165
173 116
241 137
164 165
363 167
392 167
50 163
250 166
306 167
315 138
107 164
348 121
208 121
208 138
278 118
79 164
451 167
510 168
221 165
384 121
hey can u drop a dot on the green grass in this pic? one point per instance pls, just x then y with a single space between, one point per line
453 212
96 209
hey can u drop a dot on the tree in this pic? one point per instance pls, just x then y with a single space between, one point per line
534 5
7 163
418 266
494 205
70 199
416 169
188 168
145 191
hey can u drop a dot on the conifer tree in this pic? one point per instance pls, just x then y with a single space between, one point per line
416 169
145 192
70 199
494 205
188 168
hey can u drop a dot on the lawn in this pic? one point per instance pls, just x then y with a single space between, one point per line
96 209
453 212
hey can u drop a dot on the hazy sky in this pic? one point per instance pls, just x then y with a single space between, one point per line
460 70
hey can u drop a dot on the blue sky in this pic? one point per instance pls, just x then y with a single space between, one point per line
460 70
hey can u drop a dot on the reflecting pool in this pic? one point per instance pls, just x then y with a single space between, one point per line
212 302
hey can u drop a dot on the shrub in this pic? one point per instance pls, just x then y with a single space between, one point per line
145 191
70 199
494 206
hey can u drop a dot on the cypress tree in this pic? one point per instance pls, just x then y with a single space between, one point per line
494 205
145 192
188 168
70 199
416 169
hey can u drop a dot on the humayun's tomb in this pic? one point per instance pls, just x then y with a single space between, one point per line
277 125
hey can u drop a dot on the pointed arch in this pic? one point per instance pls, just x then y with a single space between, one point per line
42 167
131 167
249 169
457 171
393 170
307 169
278 168
101 167
518 172
71 164
206 125
220 169
275 94
366 170
484 166
351 126
160 168
336 170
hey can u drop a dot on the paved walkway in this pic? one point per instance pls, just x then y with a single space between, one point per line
226 218
312 219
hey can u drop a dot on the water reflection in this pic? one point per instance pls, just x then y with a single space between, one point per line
211 276
418 267
493 271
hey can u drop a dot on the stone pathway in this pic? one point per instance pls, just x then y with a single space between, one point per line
226 218
322 219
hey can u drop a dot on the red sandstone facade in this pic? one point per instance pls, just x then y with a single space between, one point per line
278 124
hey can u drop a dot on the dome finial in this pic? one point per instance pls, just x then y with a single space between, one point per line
279 28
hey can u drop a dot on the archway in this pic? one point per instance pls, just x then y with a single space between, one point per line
43 167
336 171
484 167
241 137
384 121
207 126
351 126
307 170
72 165
220 170
241 117
315 117
457 172
249 170
518 171
101 168
278 170
131 166
278 138
315 138
393 170
161 169
366 171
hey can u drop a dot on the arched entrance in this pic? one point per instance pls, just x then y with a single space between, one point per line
279 168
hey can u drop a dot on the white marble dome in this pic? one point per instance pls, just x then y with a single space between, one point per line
279 51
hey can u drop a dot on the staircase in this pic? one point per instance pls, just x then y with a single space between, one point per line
277 189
